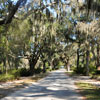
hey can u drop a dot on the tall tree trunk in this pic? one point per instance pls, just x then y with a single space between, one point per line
93 52
49 62
87 62
16 63
44 66
32 63
78 58
98 63
6 62
6 65
68 65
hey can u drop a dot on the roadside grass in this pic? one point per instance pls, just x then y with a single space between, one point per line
89 91
12 74
17 74
8 77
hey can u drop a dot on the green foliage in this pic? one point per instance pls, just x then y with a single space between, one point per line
80 70
7 77
47 67
92 68
38 70
60 63
14 74
43 36
23 72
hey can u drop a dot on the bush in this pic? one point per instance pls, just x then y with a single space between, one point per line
14 74
80 70
38 70
48 68
23 72
92 68
98 72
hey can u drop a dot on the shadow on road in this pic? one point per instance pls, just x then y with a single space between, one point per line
57 85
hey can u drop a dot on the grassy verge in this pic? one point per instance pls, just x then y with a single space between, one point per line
4 77
16 74
11 77
89 91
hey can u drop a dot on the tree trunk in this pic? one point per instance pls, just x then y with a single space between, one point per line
98 63
87 62
32 63
6 65
93 52
50 65
68 65
78 57
44 67
16 63
6 62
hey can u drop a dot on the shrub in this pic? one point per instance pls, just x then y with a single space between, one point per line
20 72
92 68
38 70
14 74
98 72
80 70
23 72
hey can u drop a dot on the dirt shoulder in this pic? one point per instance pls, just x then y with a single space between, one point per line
7 88
88 87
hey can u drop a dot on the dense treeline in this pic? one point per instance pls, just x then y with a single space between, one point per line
42 35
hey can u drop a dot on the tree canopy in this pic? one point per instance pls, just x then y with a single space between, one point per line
48 33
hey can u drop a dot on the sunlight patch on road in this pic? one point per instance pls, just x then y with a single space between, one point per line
52 88
55 84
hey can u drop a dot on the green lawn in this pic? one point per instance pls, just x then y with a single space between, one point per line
89 91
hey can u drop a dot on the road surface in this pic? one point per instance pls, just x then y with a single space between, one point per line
56 86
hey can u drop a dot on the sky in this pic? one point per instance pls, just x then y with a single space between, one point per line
68 9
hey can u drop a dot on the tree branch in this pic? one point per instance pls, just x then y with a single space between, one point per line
40 9
12 12
35 10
